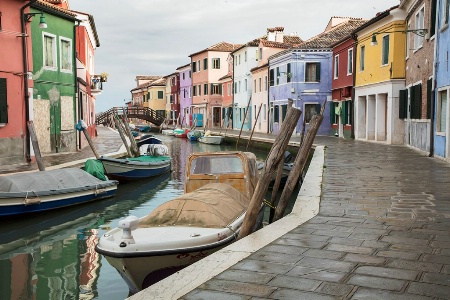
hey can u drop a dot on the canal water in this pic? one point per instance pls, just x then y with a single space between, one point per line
52 255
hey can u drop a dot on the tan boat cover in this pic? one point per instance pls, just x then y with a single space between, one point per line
215 205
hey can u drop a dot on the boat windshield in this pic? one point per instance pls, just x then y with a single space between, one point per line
217 165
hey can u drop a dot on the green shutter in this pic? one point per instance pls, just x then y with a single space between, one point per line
318 72
403 104
332 112
344 112
218 63
3 102
205 64
416 101
429 98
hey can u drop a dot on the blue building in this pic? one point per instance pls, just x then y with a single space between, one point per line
442 87
304 74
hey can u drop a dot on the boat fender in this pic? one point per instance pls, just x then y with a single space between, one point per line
128 224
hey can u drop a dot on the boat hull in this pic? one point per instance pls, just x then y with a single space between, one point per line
17 206
213 140
133 171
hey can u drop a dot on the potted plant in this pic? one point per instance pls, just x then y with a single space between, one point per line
104 77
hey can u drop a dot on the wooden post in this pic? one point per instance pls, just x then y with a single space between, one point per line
270 166
35 144
122 136
134 147
299 163
243 121
88 138
256 120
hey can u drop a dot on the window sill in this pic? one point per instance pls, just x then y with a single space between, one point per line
2 125
440 134
443 28
417 49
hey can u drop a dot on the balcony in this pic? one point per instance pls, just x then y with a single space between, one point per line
97 85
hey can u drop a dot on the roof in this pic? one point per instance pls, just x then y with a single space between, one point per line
379 16
152 79
186 65
92 24
219 47
225 77
148 77
55 8
289 41
259 67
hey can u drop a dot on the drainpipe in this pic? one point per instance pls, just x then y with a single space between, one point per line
355 49
25 76
232 99
77 84
433 82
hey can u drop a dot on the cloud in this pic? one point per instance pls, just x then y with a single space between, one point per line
155 37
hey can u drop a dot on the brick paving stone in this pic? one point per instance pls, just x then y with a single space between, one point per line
431 290
290 294
301 229
297 283
326 264
332 233
264 267
415 265
446 269
275 257
377 294
300 271
439 244
246 276
387 272
399 254
405 240
345 241
284 249
199 294
364 259
305 237
323 254
370 231
314 226
364 236
324 275
418 235
335 289
350 249
300 243
436 278
437 258
411 248
375 244
234 287
377 282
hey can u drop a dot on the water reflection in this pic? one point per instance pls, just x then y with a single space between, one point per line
52 256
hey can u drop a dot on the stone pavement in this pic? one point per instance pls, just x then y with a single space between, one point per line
382 233
107 142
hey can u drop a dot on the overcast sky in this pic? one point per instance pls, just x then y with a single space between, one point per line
154 37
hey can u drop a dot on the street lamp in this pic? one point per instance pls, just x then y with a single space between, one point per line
27 17
420 32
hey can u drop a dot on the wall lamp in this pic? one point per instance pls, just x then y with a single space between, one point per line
284 73
420 32
42 23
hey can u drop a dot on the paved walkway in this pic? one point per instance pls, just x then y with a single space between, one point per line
382 233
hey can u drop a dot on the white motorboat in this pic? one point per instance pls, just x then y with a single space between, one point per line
208 138
208 217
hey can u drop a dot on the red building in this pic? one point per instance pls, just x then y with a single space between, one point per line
341 113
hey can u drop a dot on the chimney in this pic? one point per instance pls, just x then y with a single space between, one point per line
271 34
279 34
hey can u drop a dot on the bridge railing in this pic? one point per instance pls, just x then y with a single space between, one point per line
144 113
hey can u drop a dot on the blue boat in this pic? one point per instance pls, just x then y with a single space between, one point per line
46 190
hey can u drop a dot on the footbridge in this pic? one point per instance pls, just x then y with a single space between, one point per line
143 113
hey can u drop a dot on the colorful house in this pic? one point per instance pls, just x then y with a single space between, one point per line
172 97
380 76
157 96
16 85
442 87
54 75
304 74
417 95
185 76
208 66
227 95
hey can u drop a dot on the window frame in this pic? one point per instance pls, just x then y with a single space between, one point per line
336 67
362 58
385 46
317 72
349 61
216 63
54 67
441 113
162 95
63 40
419 23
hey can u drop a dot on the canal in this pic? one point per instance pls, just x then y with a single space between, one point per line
52 256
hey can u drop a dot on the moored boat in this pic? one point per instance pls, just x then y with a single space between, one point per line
208 217
45 190
208 138
181 132
193 135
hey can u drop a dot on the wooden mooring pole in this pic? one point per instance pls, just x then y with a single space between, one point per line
251 135
243 121
134 147
122 136
272 161
299 163
35 144
83 127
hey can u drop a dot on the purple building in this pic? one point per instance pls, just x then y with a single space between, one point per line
185 94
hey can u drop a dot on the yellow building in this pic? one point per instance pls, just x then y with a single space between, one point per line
379 77
157 96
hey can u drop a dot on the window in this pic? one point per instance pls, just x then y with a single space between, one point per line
171 99
198 66
222 87
260 53
361 58
66 54
312 72
199 90
350 62
445 12
183 75
385 50
160 95
246 84
194 91
288 73
194 66
205 64
408 40
49 52
336 66
256 55
271 73
276 113
259 85
3 102
235 88
419 24
216 89
239 58
161 113
265 83
184 93
190 74
245 56
216 63
416 101
442 111
311 109
254 85
283 111
433 17
205 89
